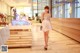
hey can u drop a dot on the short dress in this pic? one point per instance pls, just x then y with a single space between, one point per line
46 25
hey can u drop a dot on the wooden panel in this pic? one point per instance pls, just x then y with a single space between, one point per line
20 38
67 26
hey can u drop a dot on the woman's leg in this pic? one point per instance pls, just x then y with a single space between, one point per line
46 38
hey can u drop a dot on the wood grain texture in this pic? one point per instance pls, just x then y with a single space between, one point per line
20 38
67 26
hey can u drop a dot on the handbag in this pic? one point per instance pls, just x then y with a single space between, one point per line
40 21
40 27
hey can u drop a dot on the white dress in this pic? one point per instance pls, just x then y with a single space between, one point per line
46 25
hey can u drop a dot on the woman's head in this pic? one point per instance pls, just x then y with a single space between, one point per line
46 8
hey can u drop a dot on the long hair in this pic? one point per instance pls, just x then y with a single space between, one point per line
46 7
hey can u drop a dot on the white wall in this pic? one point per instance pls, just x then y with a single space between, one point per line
4 8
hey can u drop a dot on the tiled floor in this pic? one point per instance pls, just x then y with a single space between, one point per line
58 43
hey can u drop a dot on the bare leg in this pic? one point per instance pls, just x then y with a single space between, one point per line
46 38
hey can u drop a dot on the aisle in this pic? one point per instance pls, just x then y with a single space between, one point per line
58 43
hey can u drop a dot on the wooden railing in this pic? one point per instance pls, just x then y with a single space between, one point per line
67 26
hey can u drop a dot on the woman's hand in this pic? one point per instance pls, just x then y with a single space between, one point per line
52 29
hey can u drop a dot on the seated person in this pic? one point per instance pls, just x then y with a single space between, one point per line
21 21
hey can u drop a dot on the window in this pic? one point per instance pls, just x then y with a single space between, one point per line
67 10
55 12
60 11
41 5
78 13
54 9
79 3
78 10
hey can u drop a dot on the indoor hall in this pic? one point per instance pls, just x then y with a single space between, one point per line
21 29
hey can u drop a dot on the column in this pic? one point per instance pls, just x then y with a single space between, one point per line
72 9
63 12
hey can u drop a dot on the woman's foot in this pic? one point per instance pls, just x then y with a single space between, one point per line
45 48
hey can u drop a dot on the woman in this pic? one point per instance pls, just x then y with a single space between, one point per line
46 25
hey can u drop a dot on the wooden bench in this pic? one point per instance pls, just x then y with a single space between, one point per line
20 38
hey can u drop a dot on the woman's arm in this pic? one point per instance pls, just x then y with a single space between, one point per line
42 16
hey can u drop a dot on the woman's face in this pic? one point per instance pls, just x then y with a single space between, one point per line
46 10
